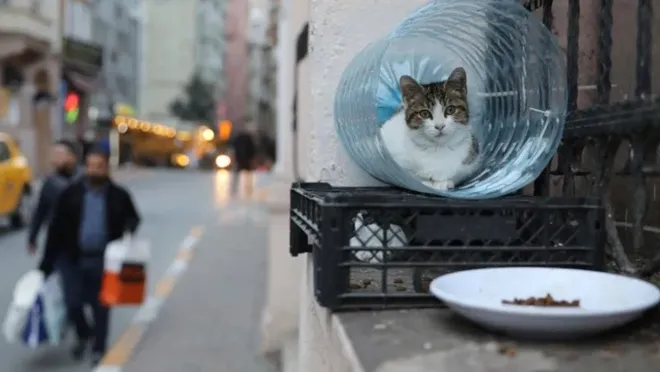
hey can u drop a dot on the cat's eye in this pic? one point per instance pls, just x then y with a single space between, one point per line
450 110
425 114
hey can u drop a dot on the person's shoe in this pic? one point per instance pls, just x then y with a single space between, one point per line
96 358
78 350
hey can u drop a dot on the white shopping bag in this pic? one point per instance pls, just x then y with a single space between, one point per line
54 308
37 314
25 294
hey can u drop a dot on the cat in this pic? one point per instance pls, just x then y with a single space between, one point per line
430 135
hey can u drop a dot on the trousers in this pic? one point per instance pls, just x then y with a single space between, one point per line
82 286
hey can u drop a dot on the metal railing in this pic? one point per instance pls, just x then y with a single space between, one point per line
610 147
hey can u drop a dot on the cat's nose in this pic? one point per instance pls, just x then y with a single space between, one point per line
440 127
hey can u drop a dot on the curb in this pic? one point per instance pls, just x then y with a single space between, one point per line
121 352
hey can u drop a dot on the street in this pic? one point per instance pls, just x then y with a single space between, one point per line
224 281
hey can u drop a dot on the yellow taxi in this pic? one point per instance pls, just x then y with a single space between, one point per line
15 183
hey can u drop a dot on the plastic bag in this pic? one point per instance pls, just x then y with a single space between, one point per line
25 294
125 272
54 308
37 314
372 235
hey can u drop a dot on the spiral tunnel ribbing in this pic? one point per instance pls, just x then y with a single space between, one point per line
517 92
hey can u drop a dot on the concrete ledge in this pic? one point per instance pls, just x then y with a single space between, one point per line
435 340
323 340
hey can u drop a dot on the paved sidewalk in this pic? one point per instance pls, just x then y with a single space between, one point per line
210 322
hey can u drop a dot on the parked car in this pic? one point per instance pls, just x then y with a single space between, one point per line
15 183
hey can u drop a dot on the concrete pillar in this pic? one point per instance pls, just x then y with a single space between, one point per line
279 328
338 30
284 55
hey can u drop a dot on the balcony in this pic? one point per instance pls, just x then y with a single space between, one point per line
30 23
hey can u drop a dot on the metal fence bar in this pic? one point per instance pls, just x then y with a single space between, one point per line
644 47
604 83
573 53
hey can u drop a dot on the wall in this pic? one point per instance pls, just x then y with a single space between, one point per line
169 54
256 35
35 129
40 22
279 328
78 16
293 16
338 30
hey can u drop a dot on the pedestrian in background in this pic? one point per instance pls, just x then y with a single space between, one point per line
244 156
65 168
90 213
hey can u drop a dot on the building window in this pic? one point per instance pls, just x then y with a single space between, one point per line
119 12
123 40
100 30
35 6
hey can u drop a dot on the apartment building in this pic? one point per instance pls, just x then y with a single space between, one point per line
117 27
30 40
181 38
262 26
210 42
236 63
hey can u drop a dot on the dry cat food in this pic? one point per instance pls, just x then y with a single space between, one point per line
548 301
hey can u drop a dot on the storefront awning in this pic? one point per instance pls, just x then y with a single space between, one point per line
81 82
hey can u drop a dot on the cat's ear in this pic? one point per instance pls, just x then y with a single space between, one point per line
457 80
409 87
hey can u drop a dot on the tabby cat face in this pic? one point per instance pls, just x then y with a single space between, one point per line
436 110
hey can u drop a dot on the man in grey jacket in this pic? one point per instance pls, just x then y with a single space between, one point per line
64 162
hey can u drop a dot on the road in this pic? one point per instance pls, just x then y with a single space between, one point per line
172 204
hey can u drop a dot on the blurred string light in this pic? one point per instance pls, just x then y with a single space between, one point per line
126 123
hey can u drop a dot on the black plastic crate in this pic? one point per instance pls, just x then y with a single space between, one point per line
379 247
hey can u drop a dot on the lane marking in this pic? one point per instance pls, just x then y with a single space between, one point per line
184 255
164 287
121 352
148 311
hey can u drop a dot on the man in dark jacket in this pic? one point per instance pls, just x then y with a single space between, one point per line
63 156
89 214
244 153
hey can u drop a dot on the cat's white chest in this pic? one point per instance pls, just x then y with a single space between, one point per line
440 166
437 164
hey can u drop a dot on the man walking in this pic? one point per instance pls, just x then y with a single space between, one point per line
244 153
63 157
89 214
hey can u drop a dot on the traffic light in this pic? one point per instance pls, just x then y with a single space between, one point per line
71 107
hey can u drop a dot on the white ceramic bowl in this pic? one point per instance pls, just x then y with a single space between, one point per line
606 300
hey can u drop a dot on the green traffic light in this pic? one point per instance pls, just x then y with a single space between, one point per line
72 115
